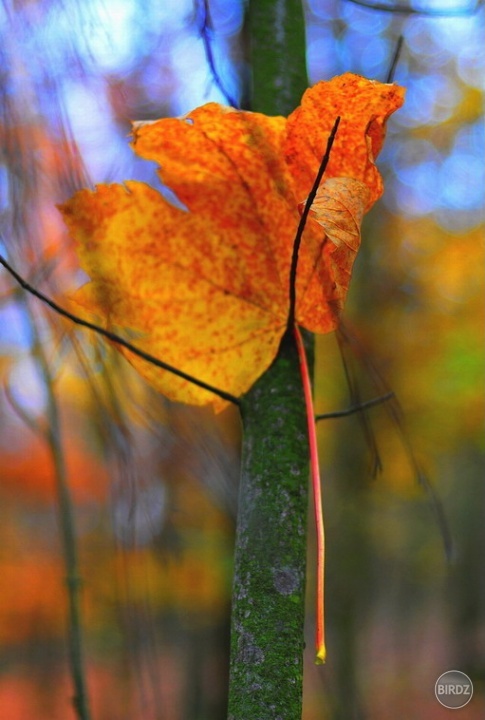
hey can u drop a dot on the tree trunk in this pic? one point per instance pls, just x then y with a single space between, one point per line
266 671
269 581
277 55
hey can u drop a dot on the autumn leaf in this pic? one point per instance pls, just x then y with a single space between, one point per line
339 208
204 283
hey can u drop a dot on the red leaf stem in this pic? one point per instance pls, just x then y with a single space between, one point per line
317 501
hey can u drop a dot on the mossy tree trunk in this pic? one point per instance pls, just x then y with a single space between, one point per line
266 674
269 579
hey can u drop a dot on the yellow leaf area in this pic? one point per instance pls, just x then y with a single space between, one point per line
205 286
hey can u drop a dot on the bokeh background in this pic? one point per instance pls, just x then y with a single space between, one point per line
154 485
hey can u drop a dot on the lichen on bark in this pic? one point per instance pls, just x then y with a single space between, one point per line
269 578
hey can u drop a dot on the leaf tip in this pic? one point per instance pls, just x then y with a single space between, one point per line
321 655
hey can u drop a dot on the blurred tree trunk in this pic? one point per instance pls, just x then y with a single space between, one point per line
276 33
266 672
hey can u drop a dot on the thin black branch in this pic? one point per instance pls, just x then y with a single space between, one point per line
355 397
395 60
395 412
407 10
204 34
356 408
115 338
302 223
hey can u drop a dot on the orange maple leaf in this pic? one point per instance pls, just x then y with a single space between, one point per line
204 285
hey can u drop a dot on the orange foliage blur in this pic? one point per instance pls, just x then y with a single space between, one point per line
30 474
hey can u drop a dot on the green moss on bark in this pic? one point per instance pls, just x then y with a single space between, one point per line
269 580
266 675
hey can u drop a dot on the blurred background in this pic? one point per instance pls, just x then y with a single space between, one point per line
153 485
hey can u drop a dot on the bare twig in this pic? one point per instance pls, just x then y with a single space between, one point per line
354 391
356 408
53 437
302 223
407 10
395 60
395 412
205 27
